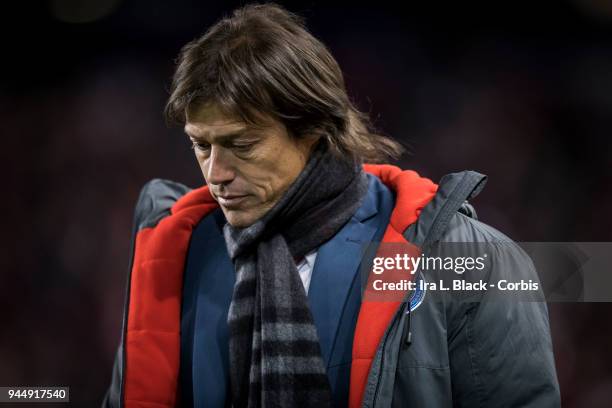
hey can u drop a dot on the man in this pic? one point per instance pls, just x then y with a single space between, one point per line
246 292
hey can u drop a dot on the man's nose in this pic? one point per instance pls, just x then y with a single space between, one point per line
220 170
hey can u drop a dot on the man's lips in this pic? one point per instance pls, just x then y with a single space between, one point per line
230 201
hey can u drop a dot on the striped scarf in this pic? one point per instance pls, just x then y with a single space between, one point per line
275 357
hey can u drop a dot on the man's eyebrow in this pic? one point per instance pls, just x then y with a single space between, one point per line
220 138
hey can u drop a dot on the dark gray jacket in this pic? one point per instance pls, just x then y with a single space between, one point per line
450 351
486 349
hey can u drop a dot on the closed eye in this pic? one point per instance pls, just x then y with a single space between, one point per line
202 146
243 147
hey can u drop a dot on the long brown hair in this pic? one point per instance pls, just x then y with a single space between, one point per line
262 59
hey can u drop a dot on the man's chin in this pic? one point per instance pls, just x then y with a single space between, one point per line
239 218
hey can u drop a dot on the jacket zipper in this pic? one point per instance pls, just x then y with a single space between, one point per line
384 346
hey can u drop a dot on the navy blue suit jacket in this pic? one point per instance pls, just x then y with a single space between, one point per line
334 297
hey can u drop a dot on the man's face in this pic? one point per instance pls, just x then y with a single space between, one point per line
247 169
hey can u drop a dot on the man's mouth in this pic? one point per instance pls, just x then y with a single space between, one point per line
231 201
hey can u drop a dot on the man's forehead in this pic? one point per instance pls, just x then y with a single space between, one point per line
210 122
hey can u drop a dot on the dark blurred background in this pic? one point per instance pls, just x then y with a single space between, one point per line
519 91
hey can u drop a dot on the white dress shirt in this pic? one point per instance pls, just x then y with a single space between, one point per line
305 268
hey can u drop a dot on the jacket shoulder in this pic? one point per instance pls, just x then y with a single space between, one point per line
508 259
155 201
463 228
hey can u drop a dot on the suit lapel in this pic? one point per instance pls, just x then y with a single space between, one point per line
335 269
207 294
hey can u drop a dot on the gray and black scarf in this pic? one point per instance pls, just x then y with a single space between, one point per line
275 357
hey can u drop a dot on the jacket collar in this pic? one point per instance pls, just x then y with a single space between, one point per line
403 183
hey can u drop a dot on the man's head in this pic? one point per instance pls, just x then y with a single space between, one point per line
260 70
247 168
